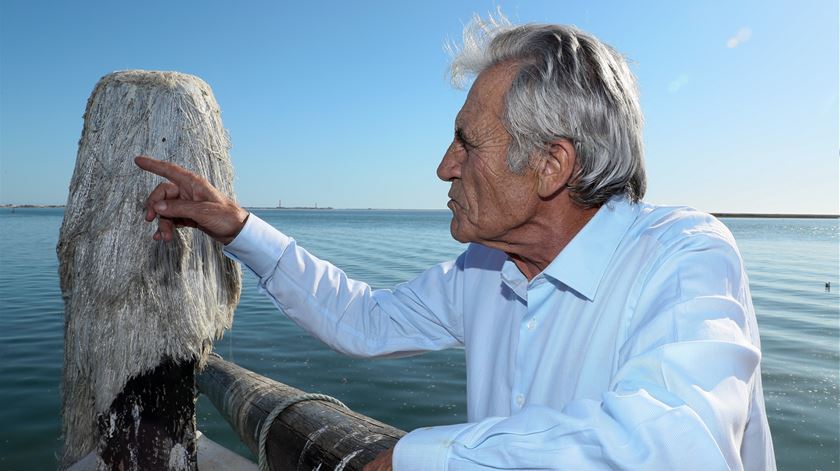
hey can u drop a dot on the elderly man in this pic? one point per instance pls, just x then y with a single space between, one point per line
600 332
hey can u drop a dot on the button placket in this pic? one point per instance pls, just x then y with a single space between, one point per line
538 292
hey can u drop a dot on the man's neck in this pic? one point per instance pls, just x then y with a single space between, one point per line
546 235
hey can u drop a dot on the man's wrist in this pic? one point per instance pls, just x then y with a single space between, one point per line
242 219
426 448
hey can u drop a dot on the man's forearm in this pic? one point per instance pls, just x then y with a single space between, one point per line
344 313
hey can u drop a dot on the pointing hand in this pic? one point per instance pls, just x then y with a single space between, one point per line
189 200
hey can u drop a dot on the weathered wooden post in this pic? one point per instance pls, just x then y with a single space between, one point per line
140 315
306 435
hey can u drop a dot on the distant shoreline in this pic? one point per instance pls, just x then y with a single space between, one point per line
328 208
290 207
775 216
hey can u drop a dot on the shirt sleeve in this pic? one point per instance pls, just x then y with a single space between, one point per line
680 397
421 315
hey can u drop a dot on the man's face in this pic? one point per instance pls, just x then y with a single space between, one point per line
487 199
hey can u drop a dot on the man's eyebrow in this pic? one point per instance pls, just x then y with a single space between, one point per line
459 134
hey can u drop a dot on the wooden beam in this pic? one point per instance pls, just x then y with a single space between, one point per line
306 435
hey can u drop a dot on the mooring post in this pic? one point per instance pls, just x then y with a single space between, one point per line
140 314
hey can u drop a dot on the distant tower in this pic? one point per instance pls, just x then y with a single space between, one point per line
279 203
316 205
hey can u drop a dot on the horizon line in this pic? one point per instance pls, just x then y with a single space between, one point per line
725 214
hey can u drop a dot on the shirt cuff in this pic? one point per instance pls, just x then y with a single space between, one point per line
426 448
258 246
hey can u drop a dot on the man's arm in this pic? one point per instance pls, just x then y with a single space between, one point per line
680 399
421 315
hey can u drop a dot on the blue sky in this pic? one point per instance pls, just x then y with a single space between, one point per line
346 104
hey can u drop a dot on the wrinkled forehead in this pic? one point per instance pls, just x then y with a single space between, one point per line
486 98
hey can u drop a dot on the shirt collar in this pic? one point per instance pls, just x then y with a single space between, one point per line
582 263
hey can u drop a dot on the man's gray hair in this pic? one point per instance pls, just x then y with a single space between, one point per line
569 85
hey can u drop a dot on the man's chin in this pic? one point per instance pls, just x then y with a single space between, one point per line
457 233
462 240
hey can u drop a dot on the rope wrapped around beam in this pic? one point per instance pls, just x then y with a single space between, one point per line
266 426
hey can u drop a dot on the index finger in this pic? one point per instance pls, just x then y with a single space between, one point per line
173 172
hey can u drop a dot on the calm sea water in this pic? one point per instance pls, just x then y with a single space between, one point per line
788 260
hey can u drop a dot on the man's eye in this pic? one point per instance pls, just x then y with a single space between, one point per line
459 137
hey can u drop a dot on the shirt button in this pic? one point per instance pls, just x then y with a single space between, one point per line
532 323
520 399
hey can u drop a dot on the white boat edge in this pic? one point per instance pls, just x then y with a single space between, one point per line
211 457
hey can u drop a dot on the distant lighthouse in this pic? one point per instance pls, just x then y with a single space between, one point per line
279 203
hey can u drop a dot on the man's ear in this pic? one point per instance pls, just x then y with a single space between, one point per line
555 168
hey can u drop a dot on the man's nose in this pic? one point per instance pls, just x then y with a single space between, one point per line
450 165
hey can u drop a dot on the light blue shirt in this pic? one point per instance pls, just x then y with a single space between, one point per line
636 348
